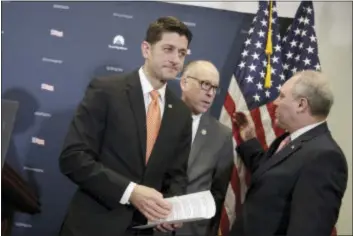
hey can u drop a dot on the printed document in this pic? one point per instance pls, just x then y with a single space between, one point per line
190 207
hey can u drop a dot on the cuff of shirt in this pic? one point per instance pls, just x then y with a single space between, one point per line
126 196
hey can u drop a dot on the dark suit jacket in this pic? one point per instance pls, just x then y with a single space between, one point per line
105 150
209 168
297 191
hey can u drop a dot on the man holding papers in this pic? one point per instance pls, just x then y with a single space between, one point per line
211 156
129 134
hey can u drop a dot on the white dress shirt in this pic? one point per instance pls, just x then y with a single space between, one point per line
195 125
303 130
146 89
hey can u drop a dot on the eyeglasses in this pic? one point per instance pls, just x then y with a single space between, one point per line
205 85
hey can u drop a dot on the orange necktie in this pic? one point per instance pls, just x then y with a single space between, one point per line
153 120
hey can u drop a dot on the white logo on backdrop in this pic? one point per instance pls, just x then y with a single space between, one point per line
62 7
33 169
118 43
123 15
57 33
190 24
45 59
44 114
112 68
47 87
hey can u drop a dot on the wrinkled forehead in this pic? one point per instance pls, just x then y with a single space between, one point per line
204 73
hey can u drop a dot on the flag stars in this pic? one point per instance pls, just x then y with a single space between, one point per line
244 53
249 79
264 23
255 56
308 10
310 49
306 21
294 70
279 87
317 66
307 61
293 43
258 44
267 93
286 66
312 38
297 31
252 67
256 97
277 48
289 55
297 58
259 86
303 33
261 34
242 65
248 42
275 59
262 74
301 19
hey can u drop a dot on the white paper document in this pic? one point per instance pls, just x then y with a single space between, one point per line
190 207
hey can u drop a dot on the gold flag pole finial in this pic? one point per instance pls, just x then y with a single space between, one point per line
268 50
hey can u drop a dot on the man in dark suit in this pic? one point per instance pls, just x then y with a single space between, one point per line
211 157
298 184
130 137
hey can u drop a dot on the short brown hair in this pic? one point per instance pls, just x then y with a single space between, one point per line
166 24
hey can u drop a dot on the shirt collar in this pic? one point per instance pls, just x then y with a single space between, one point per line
147 87
196 117
303 130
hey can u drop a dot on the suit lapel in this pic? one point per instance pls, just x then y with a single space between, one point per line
135 95
276 158
200 138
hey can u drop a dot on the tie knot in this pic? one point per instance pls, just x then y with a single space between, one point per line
154 95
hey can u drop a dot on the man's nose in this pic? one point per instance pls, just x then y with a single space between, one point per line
211 92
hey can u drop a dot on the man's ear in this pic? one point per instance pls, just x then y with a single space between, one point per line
145 49
303 104
183 83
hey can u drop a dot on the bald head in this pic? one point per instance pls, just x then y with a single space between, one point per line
195 66
199 84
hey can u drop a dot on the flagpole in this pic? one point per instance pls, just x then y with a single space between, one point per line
268 50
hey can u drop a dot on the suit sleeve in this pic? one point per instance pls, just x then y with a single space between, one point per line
79 159
317 196
251 153
221 178
176 179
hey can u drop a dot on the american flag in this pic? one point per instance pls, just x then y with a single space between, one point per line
246 93
300 49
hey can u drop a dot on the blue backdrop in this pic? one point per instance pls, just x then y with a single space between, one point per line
50 52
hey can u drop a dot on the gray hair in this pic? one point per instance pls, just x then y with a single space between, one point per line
313 86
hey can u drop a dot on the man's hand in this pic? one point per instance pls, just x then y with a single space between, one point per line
150 203
165 227
245 125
